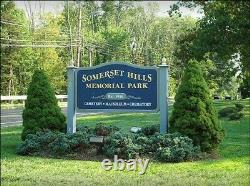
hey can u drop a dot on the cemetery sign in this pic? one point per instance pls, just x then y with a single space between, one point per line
117 87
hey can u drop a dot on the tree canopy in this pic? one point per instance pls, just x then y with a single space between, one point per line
94 33
221 36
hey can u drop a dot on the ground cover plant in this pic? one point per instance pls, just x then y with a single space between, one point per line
233 113
229 167
163 147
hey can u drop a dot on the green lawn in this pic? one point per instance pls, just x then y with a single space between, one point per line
231 168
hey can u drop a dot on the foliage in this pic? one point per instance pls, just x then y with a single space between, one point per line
231 19
51 59
227 111
60 146
131 145
176 148
108 29
104 130
193 112
227 51
48 142
150 130
120 144
19 60
30 146
41 108
17 65
79 140
233 113
83 128
244 86
239 106
145 144
236 116
180 148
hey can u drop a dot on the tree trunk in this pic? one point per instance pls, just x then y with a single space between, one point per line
79 36
10 83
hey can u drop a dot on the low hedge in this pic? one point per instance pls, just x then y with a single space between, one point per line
120 144
233 113
176 148
225 112
239 106
236 116
150 130
164 147
148 143
103 130
54 143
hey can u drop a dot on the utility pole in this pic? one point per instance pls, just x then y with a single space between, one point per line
90 57
79 34
70 36
133 49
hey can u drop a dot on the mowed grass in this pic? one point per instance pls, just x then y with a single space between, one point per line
231 168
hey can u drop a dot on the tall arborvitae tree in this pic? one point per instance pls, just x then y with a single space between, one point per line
41 108
193 113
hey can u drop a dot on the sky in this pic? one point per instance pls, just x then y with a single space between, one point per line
57 6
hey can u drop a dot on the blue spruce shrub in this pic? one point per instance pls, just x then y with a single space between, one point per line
120 144
176 148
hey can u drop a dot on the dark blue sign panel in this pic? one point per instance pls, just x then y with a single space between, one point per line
117 86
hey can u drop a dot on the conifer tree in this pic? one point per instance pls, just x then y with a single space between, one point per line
41 108
193 111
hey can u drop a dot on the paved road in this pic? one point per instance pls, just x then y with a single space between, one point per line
13 116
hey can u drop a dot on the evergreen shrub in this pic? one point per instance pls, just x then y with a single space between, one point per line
236 116
239 106
49 142
41 109
180 148
150 130
120 144
102 129
225 112
233 113
163 147
193 112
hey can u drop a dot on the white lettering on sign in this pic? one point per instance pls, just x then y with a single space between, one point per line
113 73
131 104
107 74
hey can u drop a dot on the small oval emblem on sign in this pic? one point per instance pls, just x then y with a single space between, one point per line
116 96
